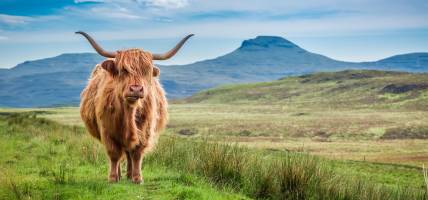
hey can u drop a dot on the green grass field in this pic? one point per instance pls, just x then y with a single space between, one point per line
45 160
297 138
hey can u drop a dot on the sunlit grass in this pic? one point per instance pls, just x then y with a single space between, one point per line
41 159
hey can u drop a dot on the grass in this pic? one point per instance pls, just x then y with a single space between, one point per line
425 171
46 160
283 175
42 159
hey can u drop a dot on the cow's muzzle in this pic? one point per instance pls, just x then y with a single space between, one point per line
135 92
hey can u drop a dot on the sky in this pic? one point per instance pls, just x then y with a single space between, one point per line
349 30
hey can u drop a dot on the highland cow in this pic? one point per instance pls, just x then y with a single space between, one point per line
124 106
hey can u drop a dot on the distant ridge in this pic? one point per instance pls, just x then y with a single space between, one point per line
59 80
413 62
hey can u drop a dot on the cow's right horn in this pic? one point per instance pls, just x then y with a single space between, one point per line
97 48
173 51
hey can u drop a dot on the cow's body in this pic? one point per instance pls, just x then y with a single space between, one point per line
124 105
109 120
124 127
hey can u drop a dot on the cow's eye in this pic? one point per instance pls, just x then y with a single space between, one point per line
124 72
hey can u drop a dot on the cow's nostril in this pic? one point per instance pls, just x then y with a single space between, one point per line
136 88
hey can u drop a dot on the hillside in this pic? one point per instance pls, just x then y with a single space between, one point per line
351 88
59 80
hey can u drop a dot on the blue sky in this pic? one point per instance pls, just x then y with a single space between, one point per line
351 30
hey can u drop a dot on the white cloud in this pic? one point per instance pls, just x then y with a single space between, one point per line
164 4
168 4
115 12
84 1
105 12
14 20
127 9
3 38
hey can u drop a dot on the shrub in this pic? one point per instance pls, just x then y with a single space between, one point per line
414 132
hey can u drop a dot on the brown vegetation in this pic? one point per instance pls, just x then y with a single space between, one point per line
403 88
411 132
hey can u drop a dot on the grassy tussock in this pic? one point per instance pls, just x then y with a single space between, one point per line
264 175
425 172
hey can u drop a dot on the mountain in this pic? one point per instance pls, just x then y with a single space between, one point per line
81 62
343 89
59 80
47 82
268 58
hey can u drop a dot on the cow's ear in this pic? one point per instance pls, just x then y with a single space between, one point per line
156 71
109 66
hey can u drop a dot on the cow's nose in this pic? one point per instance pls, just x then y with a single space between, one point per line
136 88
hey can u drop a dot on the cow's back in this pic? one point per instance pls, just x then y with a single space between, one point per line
87 102
162 106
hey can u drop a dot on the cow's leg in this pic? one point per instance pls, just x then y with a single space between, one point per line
115 153
136 157
128 165
114 169
119 173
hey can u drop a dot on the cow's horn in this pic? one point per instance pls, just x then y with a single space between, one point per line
173 51
97 48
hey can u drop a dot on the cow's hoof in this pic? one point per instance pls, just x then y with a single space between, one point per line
113 179
137 180
129 176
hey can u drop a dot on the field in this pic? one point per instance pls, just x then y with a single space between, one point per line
46 160
342 135
219 146
43 159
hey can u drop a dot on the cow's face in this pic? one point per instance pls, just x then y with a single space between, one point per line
132 72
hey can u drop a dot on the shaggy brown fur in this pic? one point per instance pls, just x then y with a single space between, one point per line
126 126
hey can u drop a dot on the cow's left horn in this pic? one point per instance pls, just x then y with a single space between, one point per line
97 47
173 51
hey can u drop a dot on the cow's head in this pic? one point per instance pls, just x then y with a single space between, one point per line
132 70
